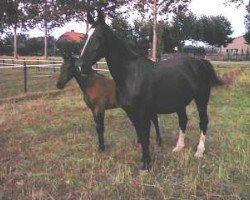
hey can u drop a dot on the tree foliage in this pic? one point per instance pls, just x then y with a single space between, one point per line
234 2
13 13
214 30
143 32
77 8
163 7
26 46
122 28
184 26
247 24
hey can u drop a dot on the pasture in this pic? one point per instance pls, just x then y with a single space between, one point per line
49 149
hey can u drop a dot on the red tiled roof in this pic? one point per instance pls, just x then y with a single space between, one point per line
72 36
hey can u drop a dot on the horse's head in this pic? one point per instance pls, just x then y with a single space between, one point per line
66 71
95 47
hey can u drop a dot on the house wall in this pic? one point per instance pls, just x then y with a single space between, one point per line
236 46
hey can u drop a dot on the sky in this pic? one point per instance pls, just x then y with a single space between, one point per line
198 7
217 7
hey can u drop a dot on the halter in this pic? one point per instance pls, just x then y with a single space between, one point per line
103 70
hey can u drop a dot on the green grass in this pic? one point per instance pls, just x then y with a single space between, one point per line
49 151
12 81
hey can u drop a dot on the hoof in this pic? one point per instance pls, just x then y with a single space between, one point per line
199 153
159 141
102 148
177 149
145 166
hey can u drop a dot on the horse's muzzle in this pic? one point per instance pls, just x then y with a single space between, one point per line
59 85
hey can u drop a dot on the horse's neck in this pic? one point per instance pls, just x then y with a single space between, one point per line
118 58
83 81
125 64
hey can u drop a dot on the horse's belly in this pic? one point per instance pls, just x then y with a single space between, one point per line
167 104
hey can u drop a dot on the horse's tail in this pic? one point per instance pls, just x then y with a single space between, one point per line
209 75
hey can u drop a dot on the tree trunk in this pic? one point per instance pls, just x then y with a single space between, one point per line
45 40
88 7
154 43
46 32
15 42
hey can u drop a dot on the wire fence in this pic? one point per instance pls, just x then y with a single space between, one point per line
19 76
27 75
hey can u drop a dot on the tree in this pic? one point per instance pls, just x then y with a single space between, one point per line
184 26
247 24
159 7
143 32
14 15
214 30
169 40
77 9
48 14
26 46
122 28
234 2
222 30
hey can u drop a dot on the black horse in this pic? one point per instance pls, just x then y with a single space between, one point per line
99 93
147 88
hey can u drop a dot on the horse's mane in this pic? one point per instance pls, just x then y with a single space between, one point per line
122 42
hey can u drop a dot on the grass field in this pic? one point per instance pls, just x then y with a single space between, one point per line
49 150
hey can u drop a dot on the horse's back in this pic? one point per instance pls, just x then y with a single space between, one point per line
176 82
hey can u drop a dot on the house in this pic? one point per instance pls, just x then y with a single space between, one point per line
72 36
238 46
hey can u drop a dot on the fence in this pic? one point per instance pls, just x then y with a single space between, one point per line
19 75
228 57
33 75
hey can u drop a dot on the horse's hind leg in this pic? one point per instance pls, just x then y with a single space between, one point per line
99 120
155 121
201 101
182 116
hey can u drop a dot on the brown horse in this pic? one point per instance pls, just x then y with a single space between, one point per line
99 94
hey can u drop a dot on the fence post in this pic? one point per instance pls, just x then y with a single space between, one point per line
54 68
12 64
38 64
25 76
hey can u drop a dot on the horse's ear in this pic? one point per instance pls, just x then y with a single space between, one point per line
90 19
64 56
100 17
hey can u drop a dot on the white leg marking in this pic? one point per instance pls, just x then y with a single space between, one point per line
180 143
201 146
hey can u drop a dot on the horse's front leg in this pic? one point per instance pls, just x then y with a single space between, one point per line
144 138
99 120
134 120
142 127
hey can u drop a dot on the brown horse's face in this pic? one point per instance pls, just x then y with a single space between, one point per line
66 73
